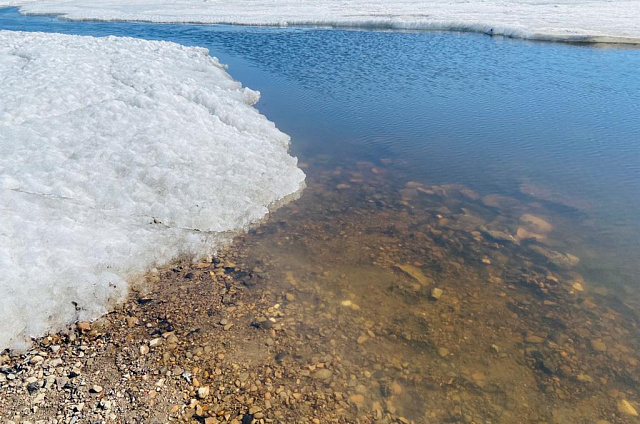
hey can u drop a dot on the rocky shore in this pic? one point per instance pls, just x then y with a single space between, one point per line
362 302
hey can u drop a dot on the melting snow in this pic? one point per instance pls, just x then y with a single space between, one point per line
563 20
118 155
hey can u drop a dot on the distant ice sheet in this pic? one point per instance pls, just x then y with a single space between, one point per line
117 155
559 20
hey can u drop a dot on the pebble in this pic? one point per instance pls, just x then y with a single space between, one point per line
534 339
203 392
322 374
34 387
625 408
83 326
96 389
155 342
362 339
414 272
61 382
396 388
436 293
577 287
584 378
598 345
36 360
478 377
357 399
131 321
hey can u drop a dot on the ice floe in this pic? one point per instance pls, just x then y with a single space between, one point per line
558 20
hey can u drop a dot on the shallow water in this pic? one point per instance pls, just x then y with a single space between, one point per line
498 115
458 161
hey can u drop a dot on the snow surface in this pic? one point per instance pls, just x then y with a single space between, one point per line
99 137
559 20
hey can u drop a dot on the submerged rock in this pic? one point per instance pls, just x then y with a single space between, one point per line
626 408
322 374
498 235
524 234
436 293
414 272
598 345
536 224
561 260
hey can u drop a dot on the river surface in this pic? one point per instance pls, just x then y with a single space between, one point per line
504 172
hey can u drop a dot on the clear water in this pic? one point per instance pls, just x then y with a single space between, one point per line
552 128
489 113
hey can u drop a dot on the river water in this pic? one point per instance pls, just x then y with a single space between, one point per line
505 173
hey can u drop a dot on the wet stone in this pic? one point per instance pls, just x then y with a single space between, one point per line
357 399
598 345
436 293
322 374
626 408
531 338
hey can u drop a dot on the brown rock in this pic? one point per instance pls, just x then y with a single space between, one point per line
624 407
83 326
414 272
533 339
357 399
536 224
598 345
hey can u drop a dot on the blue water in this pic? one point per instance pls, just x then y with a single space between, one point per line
486 112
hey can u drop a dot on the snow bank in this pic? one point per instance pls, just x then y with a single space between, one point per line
559 20
117 155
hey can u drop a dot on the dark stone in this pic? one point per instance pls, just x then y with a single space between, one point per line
33 387
280 357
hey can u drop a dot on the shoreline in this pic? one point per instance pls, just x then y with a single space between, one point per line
327 314
572 22
369 299
99 204
199 344
513 34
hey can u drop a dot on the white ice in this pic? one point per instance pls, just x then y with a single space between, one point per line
118 155
560 20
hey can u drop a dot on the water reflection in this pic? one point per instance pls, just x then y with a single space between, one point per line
504 173
489 113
